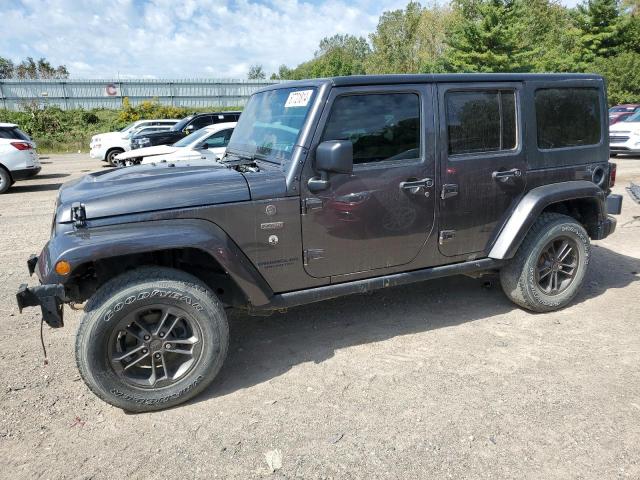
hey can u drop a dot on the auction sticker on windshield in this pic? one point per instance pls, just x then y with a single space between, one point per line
299 98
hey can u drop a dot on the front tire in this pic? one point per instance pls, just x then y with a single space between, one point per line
111 156
151 339
550 265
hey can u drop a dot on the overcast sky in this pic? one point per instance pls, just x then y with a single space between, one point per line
179 38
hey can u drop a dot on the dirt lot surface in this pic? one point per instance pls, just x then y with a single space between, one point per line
444 379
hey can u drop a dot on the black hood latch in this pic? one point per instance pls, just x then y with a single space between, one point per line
78 215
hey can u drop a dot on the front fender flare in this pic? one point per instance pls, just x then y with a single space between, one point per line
531 206
85 245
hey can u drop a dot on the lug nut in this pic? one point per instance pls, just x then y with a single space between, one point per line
157 355
167 346
161 334
144 350
147 337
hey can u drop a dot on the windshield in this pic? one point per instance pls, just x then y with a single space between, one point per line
178 127
270 123
633 118
128 127
194 137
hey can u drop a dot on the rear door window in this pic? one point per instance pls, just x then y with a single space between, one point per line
567 117
481 121
13 133
201 122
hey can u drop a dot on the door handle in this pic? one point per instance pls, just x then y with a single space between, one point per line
505 175
414 186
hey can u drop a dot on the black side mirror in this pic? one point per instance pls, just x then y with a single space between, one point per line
204 146
332 156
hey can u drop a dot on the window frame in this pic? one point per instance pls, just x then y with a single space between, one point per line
394 90
489 88
573 147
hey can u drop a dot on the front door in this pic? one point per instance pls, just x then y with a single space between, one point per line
482 164
373 218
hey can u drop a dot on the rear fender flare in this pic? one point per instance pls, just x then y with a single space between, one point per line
531 206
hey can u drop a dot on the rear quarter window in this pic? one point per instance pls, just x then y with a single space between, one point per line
13 133
567 117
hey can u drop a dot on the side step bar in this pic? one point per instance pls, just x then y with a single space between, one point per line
326 292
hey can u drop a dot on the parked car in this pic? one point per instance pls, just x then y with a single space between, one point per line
207 143
328 187
620 112
18 157
186 126
105 146
624 136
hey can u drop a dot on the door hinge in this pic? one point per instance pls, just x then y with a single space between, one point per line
446 235
449 190
312 254
311 203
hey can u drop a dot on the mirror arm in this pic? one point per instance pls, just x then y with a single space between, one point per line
316 184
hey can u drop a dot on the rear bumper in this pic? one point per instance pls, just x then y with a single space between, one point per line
25 173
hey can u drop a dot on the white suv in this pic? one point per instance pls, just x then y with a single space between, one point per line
105 146
624 136
18 157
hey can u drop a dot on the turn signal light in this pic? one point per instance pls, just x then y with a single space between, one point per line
63 267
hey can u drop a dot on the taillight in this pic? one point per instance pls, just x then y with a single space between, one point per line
612 174
21 145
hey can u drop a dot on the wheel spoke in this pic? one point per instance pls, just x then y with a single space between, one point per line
565 250
162 322
136 361
177 319
185 341
122 355
180 351
546 270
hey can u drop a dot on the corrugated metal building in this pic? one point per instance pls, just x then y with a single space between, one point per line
87 94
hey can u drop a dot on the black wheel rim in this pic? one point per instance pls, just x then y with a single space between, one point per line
154 347
557 265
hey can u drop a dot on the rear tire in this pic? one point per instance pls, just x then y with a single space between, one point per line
5 180
111 156
150 339
550 265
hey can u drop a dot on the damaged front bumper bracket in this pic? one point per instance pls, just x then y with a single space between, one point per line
50 298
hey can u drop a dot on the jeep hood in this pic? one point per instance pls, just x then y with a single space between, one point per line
144 188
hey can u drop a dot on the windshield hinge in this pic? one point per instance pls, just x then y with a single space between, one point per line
78 215
311 203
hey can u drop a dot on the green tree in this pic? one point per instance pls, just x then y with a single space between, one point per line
6 68
256 72
602 28
623 76
396 41
488 37
31 69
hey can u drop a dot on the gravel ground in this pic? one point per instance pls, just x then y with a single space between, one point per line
443 379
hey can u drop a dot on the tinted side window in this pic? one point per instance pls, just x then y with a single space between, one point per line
219 139
202 121
380 126
12 133
481 121
567 117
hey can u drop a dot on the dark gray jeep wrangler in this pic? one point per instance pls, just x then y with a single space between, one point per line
328 187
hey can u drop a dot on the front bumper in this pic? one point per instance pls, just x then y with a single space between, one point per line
49 297
97 153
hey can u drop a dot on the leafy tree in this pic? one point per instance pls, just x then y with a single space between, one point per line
32 70
256 72
488 37
6 68
395 43
602 28
623 76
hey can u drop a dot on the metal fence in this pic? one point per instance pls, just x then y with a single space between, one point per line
87 94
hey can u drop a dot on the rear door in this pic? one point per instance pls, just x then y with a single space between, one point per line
482 163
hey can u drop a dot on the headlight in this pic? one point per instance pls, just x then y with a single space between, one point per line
144 141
